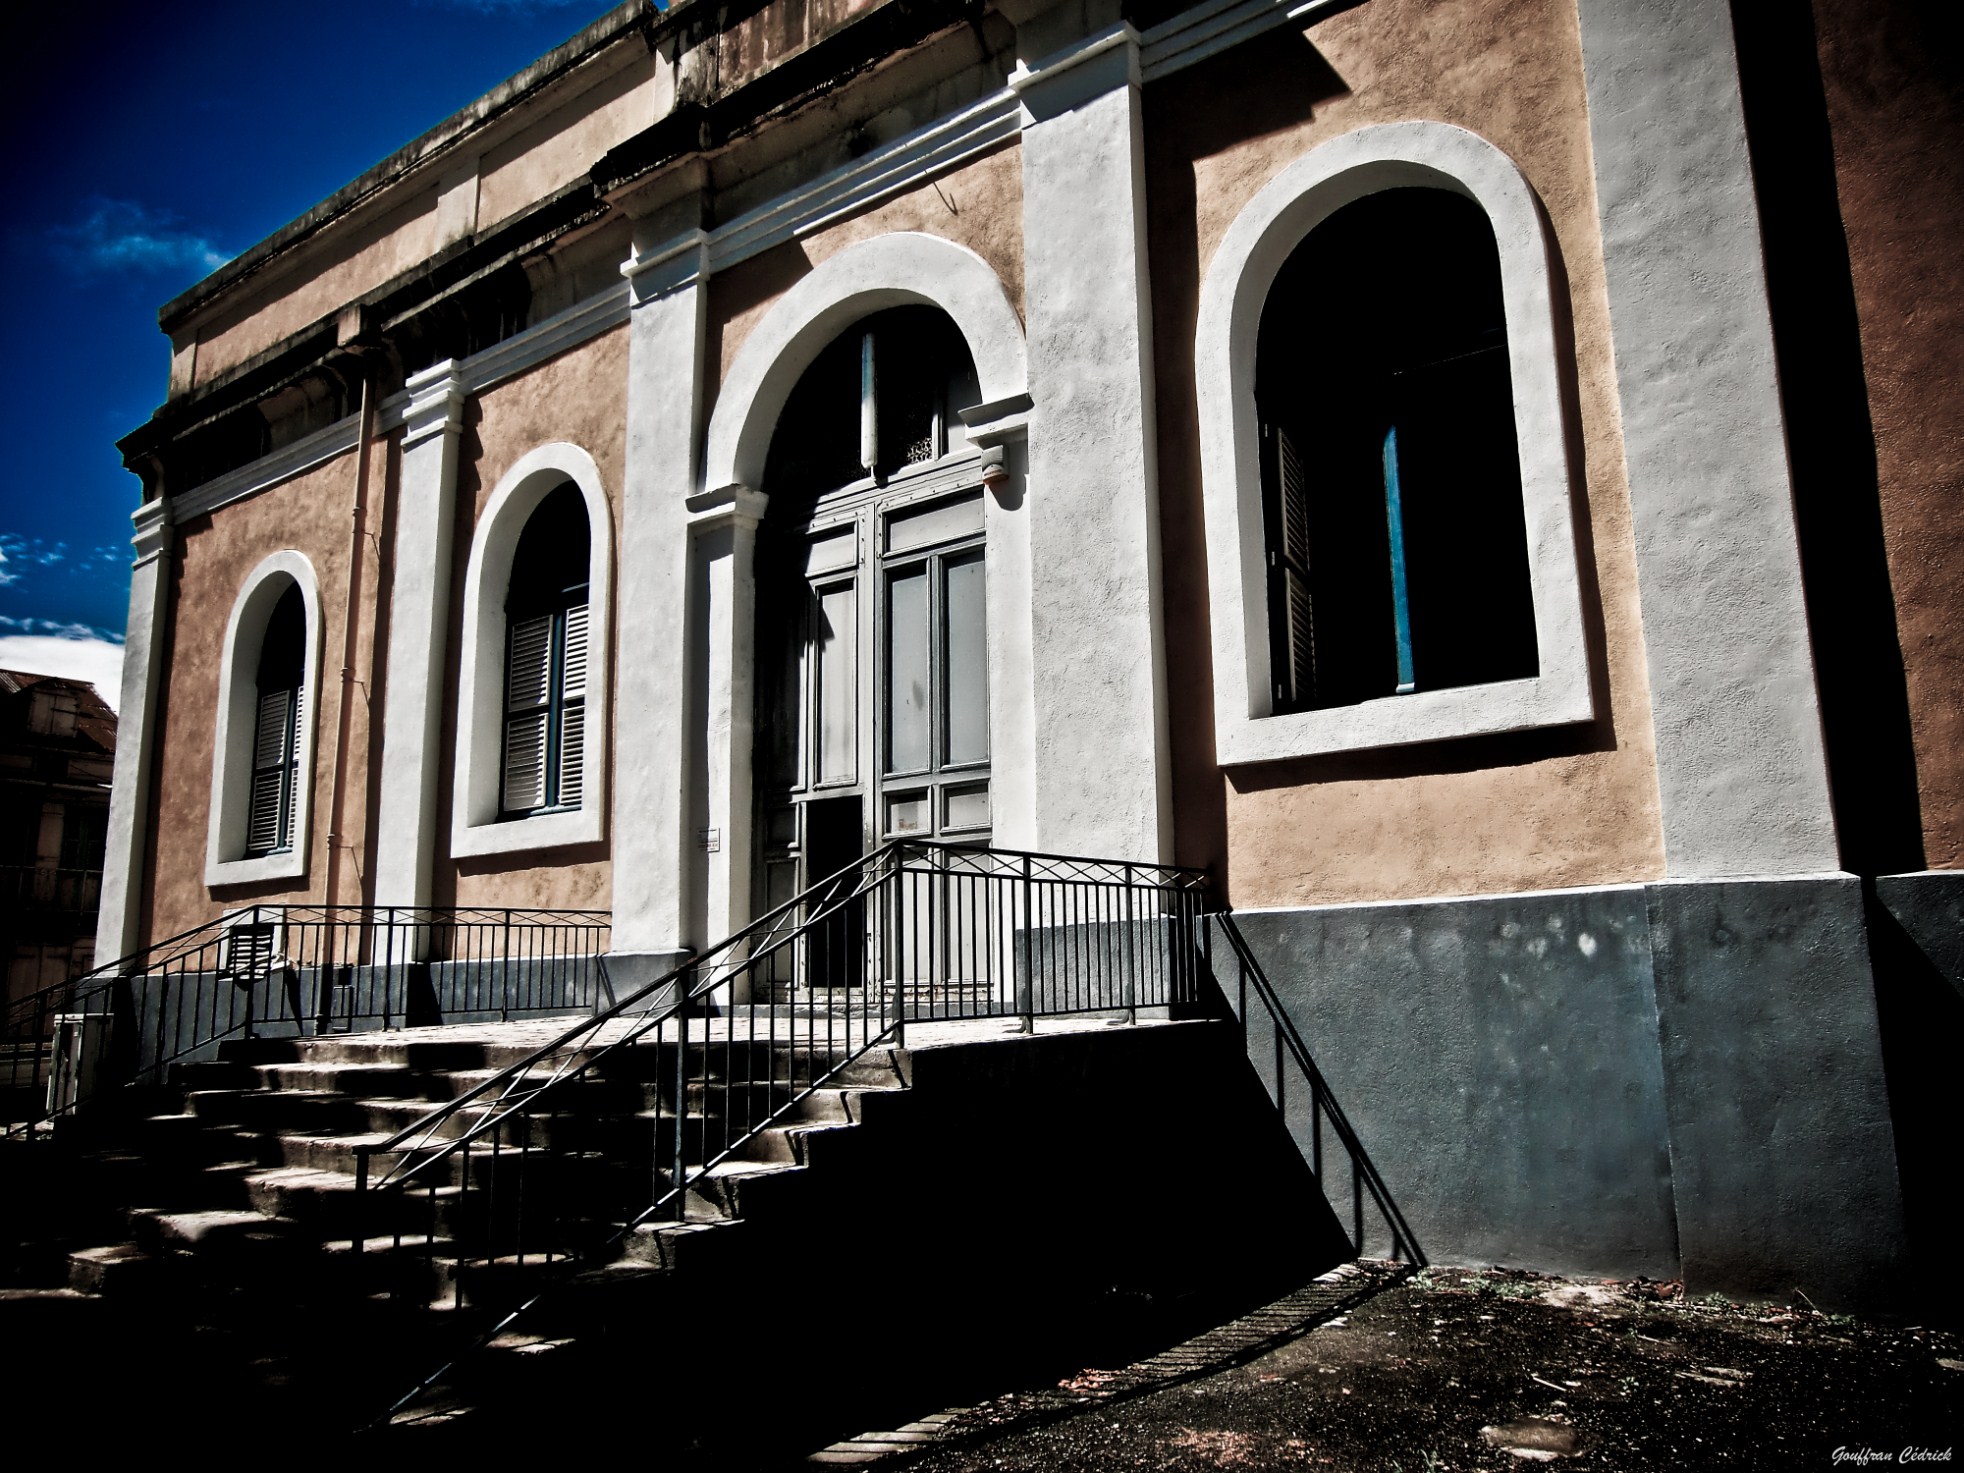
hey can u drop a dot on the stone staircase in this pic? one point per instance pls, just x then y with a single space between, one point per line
946 1185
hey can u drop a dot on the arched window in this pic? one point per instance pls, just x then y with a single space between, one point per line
544 745
532 671
1384 448
263 744
281 699
1391 479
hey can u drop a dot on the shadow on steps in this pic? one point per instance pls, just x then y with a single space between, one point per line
1031 1208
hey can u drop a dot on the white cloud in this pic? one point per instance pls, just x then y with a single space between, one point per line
5 576
79 657
121 235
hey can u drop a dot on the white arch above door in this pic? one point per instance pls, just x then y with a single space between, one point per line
888 271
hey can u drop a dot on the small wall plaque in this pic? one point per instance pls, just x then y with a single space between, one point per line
712 841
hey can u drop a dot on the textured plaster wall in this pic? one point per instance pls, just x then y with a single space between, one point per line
1531 811
384 238
1895 96
979 205
364 252
579 397
562 146
773 34
1682 1079
308 514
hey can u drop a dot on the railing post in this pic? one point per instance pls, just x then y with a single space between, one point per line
1027 1023
504 971
1130 985
252 976
900 952
359 1228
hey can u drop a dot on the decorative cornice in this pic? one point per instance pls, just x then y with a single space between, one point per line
998 422
1046 69
738 504
547 339
1207 30
669 267
907 161
435 403
269 470
1185 40
153 538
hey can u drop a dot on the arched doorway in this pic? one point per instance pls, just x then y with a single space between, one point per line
872 703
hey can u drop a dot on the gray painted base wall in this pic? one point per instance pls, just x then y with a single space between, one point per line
1679 1080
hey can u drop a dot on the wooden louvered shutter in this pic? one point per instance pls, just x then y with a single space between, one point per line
528 690
1291 608
267 818
572 713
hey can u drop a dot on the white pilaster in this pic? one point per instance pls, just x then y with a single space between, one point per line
1100 758
419 615
119 921
1741 765
655 857
723 550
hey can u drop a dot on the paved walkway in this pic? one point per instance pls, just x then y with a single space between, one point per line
1459 1370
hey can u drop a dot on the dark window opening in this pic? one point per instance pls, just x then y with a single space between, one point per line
885 394
84 835
1391 481
280 716
543 765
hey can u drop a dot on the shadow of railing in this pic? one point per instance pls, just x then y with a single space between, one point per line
1303 1099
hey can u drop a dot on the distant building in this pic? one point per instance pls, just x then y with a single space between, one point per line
1479 478
57 749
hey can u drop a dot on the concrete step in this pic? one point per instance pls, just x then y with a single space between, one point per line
737 1188
400 1048
277 1110
115 1268
362 1080
795 1144
327 1202
698 1245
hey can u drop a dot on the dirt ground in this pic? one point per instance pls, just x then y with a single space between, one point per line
1454 1369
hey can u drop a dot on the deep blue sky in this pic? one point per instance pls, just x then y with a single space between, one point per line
142 145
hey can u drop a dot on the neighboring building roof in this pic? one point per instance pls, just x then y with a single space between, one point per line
95 722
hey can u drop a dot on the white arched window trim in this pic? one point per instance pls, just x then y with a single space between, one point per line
905 268
231 756
1244 268
475 827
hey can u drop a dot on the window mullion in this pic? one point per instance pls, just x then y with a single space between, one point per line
555 704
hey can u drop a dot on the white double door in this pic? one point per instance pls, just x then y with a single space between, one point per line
873 623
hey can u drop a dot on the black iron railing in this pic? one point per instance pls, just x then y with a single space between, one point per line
1303 1099
523 1175
285 971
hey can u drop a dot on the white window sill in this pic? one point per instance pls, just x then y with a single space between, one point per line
1400 721
518 835
292 865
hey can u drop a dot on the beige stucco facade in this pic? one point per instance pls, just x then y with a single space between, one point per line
1535 811
1573 805
1684 880
1565 806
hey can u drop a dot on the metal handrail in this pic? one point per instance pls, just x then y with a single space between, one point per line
290 970
947 930
1322 1102
505 1099
566 1050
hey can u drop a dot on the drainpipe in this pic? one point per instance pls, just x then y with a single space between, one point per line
357 538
